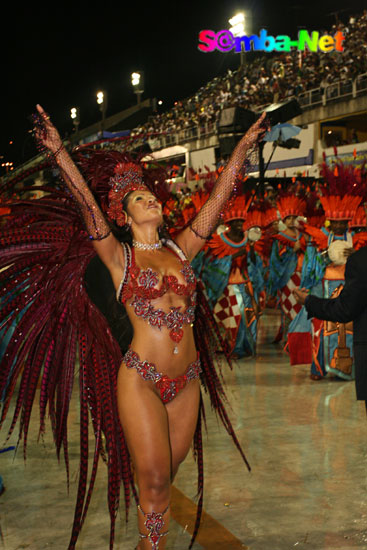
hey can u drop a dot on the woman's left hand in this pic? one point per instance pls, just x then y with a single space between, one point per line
257 131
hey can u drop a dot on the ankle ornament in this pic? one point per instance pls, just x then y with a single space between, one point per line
153 523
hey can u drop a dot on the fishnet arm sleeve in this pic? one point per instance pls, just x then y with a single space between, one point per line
243 155
94 219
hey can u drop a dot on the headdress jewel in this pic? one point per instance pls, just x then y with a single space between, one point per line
128 177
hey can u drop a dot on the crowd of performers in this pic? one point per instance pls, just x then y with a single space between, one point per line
266 247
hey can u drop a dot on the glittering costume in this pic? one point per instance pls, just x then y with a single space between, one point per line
232 274
328 346
46 254
154 523
285 262
168 387
138 288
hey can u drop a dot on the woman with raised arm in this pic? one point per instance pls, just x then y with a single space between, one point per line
158 390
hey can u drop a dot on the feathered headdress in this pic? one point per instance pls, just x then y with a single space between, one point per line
254 218
269 213
290 205
359 218
237 209
193 205
314 212
342 191
112 175
179 212
128 178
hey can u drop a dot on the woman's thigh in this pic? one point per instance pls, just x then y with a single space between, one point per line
158 436
144 421
182 419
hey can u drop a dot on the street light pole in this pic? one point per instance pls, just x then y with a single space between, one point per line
237 28
8 166
137 82
75 116
102 102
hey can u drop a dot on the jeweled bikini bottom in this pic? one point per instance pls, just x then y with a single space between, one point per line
168 387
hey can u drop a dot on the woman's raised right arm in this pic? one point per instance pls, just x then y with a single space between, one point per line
107 246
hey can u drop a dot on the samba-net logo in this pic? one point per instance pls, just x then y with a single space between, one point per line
225 41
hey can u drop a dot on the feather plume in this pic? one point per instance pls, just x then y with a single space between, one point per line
52 324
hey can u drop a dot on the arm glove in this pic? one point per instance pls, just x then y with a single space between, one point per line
242 157
95 222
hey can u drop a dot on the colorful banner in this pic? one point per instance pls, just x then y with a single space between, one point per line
355 157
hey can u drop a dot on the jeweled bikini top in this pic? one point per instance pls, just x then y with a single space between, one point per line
140 286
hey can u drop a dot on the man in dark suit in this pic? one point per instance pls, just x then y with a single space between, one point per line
350 305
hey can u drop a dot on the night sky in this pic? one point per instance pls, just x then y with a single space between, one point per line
61 61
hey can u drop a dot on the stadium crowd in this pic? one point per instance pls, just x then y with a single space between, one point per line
269 79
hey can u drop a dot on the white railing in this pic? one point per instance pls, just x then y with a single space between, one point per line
335 91
185 135
361 83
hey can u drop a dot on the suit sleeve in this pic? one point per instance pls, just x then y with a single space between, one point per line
351 301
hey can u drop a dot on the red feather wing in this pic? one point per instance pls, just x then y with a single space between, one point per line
47 322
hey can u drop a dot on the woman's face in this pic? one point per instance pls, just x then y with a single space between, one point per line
143 207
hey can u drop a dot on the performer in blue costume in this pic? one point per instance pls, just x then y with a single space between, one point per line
232 274
286 257
326 345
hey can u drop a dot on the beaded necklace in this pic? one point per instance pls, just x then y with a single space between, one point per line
144 246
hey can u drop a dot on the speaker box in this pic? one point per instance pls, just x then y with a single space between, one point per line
282 112
238 119
235 119
228 143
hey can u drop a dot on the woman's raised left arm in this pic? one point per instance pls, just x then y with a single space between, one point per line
193 238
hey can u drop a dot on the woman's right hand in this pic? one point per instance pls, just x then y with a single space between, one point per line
46 132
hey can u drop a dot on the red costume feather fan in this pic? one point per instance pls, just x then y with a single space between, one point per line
49 321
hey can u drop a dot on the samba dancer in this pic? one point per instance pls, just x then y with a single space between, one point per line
158 412
328 346
232 274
